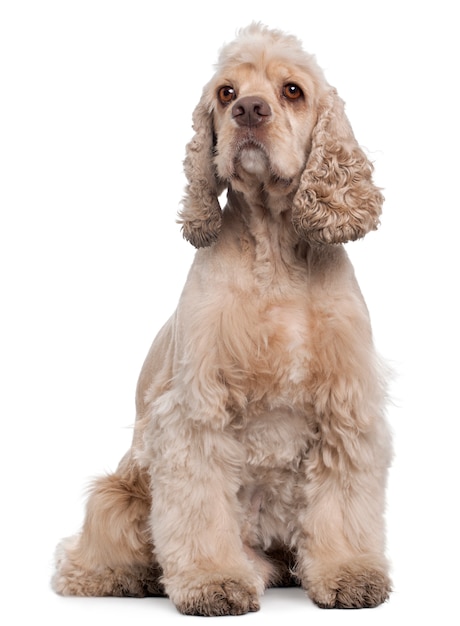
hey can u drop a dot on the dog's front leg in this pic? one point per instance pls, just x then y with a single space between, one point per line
341 560
196 521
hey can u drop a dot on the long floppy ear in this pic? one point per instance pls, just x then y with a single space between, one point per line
201 215
336 200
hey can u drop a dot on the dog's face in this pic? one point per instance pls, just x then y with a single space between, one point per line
264 112
269 125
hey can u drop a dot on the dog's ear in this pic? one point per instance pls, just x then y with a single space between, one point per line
336 200
201 215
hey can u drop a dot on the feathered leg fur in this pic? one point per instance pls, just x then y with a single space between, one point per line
113 555
341 539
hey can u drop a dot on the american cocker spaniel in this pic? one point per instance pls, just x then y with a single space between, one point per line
260 449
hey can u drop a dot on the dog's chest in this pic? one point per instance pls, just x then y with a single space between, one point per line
288 341
266 348
284 350
274 425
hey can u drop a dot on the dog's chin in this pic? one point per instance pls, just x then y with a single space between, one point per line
248 167
254 161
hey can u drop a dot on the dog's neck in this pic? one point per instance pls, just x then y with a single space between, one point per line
254 184
265 220
269 202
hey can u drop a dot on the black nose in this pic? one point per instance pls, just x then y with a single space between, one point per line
251 111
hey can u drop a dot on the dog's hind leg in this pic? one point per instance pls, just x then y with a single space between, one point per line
113 554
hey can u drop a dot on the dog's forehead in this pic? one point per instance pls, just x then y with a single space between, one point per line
266 69
263 58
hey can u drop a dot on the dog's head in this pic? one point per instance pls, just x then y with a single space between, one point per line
268 114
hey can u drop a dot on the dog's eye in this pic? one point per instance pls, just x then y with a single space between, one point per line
292 91
226 94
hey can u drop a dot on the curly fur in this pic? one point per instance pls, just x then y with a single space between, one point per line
201 215
336 200
260 450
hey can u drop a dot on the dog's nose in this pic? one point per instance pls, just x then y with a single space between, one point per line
251 111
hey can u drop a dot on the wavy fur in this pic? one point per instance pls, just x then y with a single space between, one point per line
260 449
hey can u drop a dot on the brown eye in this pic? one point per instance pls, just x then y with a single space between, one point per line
226 94
292 91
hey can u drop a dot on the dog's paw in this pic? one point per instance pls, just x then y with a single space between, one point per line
222 597
350 586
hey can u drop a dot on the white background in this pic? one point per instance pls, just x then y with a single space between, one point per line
96 101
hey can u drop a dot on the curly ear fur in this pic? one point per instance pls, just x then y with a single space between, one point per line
336 200
201 215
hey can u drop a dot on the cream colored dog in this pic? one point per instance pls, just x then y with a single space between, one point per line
260 449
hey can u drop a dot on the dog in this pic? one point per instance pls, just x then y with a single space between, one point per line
260 450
